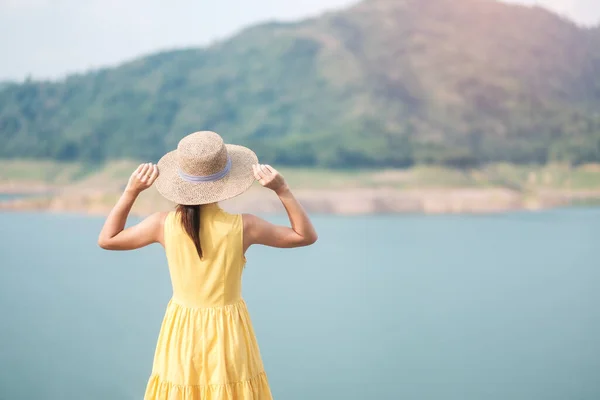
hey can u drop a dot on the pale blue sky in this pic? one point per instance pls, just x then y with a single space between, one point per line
52 38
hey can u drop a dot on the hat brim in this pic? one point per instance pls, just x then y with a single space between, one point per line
177 190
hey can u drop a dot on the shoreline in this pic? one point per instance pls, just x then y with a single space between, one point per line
343 202
495 188
14 188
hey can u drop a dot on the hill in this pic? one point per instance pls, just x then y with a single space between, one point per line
384 83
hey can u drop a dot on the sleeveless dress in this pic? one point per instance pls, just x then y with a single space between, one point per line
206 348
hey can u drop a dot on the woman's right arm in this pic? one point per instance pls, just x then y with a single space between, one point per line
258 231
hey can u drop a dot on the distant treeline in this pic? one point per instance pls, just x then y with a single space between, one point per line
451 83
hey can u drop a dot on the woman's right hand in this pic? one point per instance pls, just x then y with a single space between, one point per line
142 178
269 177
259 231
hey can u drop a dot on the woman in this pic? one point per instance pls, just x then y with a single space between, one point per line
206 347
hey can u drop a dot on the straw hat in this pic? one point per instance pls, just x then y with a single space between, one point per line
205 170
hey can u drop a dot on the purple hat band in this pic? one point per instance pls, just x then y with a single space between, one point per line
207 178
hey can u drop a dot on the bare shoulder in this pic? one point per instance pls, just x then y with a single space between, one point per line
248 218
158 217
253 225
157 224
249 221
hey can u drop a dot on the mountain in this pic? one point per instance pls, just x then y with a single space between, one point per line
383 83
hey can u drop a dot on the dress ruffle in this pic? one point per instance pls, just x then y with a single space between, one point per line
256 388
207 353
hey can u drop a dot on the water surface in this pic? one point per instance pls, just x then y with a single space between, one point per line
382 307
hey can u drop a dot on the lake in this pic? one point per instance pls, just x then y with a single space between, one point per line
11 196
489 307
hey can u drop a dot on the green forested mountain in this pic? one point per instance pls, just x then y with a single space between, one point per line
384 83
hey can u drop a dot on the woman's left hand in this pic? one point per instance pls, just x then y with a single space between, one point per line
142 178
113 235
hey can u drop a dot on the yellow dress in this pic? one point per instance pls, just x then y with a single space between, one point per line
206 348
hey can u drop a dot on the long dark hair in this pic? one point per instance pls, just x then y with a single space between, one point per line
190 219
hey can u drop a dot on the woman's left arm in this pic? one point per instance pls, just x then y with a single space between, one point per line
113 236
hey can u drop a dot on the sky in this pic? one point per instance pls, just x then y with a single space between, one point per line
49 39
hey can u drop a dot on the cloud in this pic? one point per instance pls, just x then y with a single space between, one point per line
8 5
584 12
51 38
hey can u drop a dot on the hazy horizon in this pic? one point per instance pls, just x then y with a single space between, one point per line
48 47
